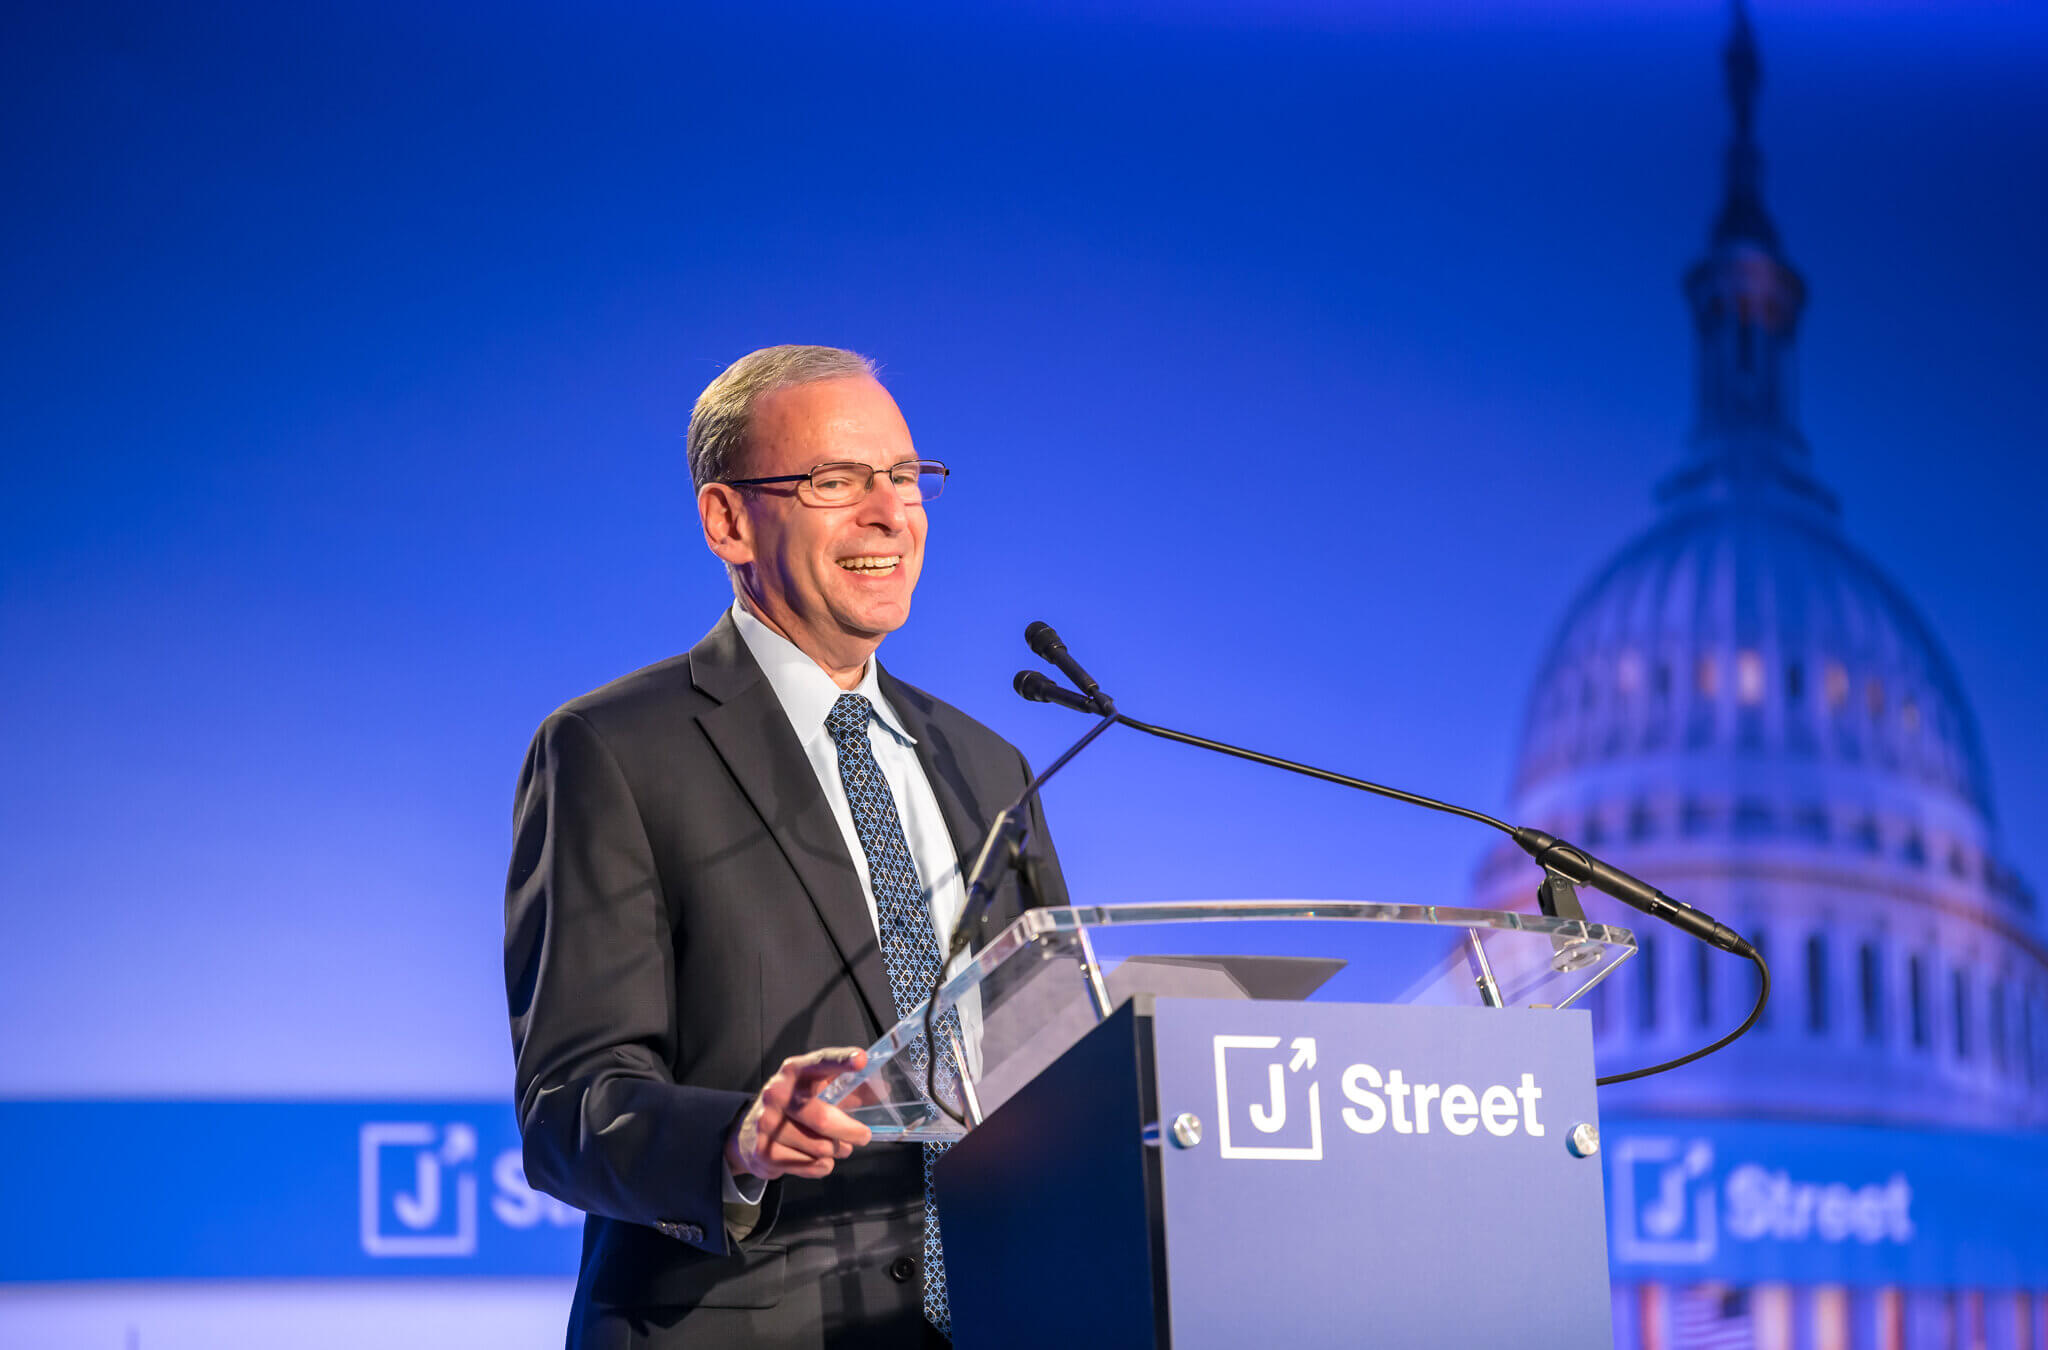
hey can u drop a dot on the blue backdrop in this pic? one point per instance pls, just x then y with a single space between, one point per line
1295 361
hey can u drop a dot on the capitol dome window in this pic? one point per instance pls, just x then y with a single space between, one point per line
1754 819
1702 985
1696 818
1866 835
1811 822
1916 998
1749 677
1958 865
1660 683
1960 986
1836 686
1628 673
1795 682
1817 985
1870 986
1642 823
1914 851
1994 1024
1873 697
1706 677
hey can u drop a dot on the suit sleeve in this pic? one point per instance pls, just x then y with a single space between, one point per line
590 985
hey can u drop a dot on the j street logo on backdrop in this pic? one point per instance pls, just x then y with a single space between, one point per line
1269 1101
419 1189
1672 1205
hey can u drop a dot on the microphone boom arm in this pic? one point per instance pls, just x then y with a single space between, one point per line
1554 854
1309 770
1564 864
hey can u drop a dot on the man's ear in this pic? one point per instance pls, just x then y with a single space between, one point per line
727 530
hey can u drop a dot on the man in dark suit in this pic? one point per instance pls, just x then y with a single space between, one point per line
713 900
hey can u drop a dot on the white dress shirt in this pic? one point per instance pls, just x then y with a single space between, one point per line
807 694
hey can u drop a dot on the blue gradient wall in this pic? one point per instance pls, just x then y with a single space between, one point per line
1295 363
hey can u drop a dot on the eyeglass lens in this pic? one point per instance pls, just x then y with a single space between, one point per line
917 480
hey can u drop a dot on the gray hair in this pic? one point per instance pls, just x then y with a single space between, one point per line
724 411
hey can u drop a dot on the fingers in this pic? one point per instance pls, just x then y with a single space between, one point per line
770 1143
787 1131
783 1157
793 1132
830 1123
801 1075
826 1064
813 1072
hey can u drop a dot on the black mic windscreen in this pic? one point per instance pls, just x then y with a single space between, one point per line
1042 639
1042 688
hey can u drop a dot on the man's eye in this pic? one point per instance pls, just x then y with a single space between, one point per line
832 482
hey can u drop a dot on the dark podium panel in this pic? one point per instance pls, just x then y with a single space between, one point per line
1205 1173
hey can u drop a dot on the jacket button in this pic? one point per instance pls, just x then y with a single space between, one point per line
901 1269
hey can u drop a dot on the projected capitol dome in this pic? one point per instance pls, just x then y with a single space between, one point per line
1741 707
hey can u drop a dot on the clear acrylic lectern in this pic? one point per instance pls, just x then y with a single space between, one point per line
1053 975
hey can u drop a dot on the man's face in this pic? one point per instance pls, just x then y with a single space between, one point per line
835 580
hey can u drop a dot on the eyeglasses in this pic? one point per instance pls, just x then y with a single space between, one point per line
841 484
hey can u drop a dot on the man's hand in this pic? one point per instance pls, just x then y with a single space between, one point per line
786 1131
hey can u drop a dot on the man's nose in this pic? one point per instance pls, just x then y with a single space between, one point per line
883 507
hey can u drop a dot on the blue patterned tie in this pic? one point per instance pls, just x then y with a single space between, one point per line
910 949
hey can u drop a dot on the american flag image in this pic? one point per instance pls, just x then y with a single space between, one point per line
1712 1317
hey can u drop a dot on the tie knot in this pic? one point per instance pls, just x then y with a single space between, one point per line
848 718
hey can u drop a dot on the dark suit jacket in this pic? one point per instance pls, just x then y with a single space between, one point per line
682 914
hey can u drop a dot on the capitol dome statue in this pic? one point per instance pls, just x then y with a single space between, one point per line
1741 708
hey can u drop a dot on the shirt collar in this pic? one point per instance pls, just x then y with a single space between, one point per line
803 688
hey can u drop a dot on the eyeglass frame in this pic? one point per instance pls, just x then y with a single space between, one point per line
872 472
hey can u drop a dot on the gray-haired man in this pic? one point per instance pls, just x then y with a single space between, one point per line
722 872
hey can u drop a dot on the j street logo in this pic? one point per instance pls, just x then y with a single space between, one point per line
1673 1206
1269 1101
1664 1200
418 1188
1257 1126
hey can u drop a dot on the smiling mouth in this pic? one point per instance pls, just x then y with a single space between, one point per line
869 565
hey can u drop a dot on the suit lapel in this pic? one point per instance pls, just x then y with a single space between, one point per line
752 734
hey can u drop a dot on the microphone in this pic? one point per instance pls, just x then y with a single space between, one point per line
1049 648
1035 686
1581 867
